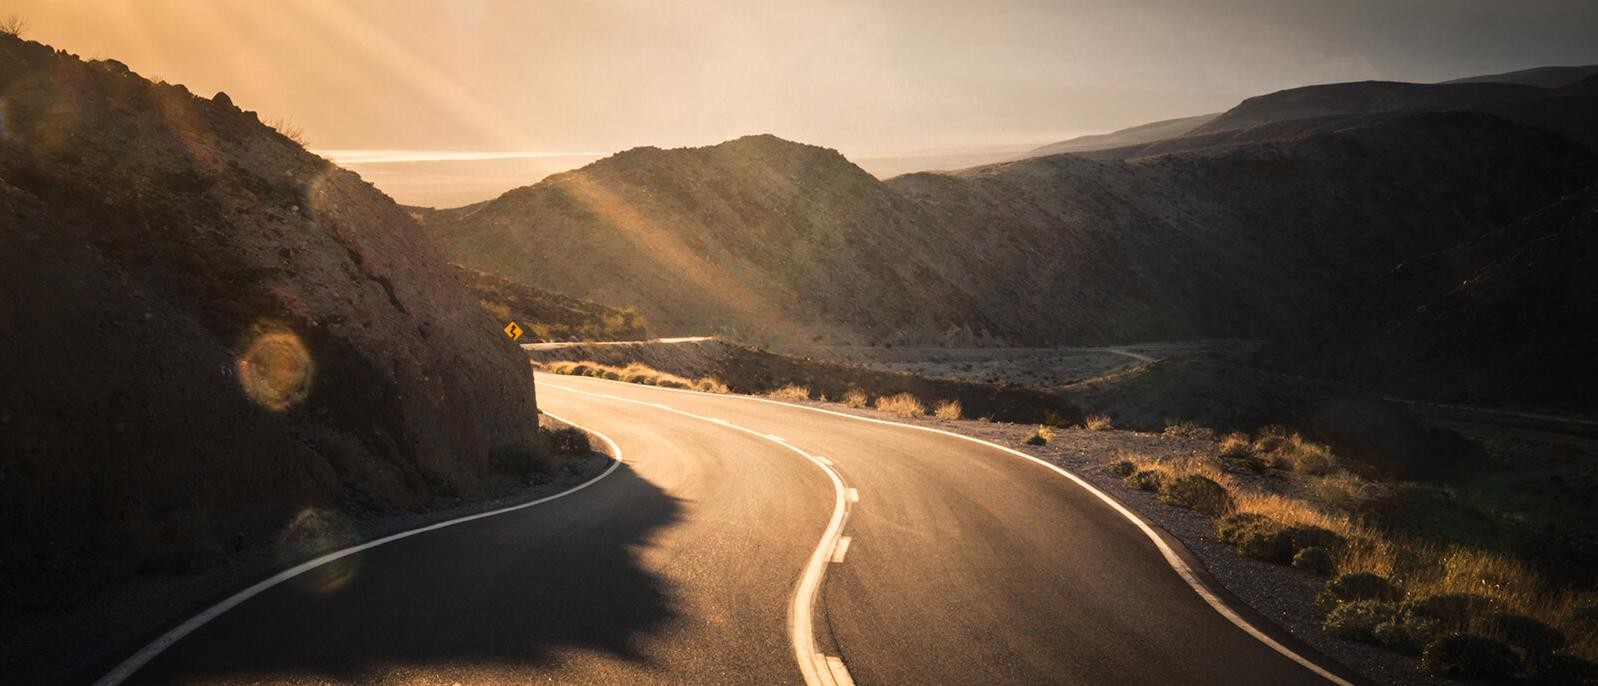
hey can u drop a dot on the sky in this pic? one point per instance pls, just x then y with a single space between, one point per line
868 78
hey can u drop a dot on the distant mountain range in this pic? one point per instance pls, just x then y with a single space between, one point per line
1253 223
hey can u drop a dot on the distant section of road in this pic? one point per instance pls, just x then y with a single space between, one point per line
556 345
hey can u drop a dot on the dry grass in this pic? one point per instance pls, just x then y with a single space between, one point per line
1097 422
634 373
948 410
1187 428
790 392
1421 568
902 404
855 398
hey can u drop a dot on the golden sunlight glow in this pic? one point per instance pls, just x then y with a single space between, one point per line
276 370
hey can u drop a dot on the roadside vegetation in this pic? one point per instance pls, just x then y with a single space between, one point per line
1462 609
635 373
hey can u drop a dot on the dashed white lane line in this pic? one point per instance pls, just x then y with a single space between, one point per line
854 495
816 668
166 640
1174 560
841 549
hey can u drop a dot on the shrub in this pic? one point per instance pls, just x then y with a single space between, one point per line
1315 560
1188 429
1257 536
567 441
710 384
948 410
1357 621
855 398
1529 634
1123 468
1310 536
1348 588
1042 436
902 404
791 392
1236 446
1198 493
1270 438
1400 637
1469 655
1447 611
1145 480
1560 669
1097 422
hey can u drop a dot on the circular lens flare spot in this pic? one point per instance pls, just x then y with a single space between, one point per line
276 370
312 533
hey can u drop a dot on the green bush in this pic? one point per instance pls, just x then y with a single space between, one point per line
1197 493
1397 635
1122 468
1145 480
1358 620
1529 634
1348 588
1469 655
1266 539
1449 611
1423 620
1257 536
1315 560
569 441
1559 669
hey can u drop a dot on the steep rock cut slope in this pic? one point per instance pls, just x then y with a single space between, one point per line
210 330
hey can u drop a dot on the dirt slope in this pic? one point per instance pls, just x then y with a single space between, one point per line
209 330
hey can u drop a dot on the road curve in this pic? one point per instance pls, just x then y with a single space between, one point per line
678 567
966 565
691 562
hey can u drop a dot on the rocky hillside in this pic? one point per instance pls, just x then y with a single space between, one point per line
762 236
546 316
1136 135
1508 317
209 330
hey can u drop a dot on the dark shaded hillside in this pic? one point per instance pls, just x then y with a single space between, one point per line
1363 97
209 330
1135 135
1541 77
768 237
1509 317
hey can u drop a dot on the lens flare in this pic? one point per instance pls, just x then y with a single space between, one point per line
276 370
312 533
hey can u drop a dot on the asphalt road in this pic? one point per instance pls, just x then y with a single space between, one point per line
700 560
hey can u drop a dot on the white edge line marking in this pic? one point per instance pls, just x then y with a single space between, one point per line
840 674
1171 557
801 606
841 549
166 640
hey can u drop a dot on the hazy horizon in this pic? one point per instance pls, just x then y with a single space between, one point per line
885 80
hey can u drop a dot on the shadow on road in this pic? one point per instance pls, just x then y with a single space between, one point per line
503 591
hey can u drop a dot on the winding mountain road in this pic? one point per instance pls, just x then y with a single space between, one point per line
750 541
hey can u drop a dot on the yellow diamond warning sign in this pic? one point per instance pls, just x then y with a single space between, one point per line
514 331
